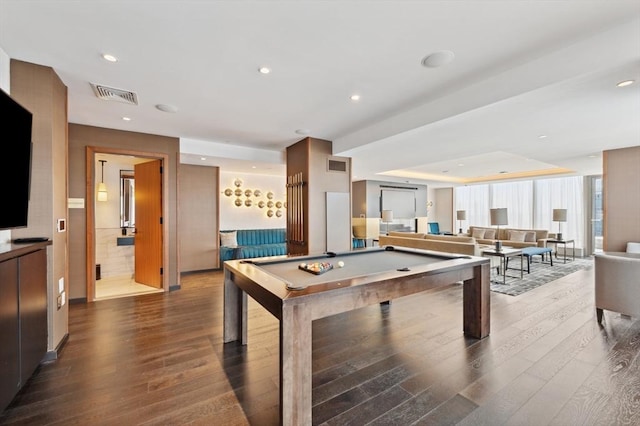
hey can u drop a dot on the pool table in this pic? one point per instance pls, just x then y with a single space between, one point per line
369 276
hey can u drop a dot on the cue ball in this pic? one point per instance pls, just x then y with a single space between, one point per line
340 264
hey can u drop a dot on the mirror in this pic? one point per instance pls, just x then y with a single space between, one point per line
127 199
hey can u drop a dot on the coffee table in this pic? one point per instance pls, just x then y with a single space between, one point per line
504 254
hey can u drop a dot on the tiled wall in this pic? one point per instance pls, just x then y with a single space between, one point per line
114 260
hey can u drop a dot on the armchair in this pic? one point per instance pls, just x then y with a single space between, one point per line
617 287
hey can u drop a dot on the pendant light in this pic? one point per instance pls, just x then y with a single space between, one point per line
102 188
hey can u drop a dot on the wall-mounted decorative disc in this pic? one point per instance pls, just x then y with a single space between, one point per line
269 203
248 192
279 213
269 195
238 182
278 204
261 204
238 192
228 192
247 202
285 204
270 213
257 193
238 202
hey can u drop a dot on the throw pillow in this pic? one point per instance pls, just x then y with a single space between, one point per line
490 234
478 233
229 239
517 236
530 237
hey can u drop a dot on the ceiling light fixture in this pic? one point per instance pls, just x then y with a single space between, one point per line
542 136
109 58
167 108
625 83
203 158
126 119
264 70
438 59
355 97
102 188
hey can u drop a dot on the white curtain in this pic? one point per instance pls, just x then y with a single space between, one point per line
475 201
517 197
561 193
530 204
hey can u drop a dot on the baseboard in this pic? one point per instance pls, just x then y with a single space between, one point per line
174 287
78 300
55 354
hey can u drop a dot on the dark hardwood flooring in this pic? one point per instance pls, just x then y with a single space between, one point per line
159 359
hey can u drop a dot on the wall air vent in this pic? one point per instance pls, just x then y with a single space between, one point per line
334 165
112 94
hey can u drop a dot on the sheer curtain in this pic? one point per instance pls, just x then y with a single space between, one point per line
561 193
530 204
475 201
517 197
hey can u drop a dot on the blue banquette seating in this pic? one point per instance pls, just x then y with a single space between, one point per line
254 243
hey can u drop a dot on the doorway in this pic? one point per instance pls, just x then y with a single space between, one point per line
122 252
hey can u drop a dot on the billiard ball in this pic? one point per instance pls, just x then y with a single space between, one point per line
340 264
303 265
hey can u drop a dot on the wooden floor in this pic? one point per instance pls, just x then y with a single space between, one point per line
159 359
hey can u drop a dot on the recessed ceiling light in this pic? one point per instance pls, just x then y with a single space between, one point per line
542 136
303 131
593 156
438 59
460 165
126 118
109 58
253 167
625 83
355 97
167 108
203 158
264 70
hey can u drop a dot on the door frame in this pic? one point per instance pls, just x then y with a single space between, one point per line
90 181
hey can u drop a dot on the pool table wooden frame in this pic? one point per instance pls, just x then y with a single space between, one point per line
296 309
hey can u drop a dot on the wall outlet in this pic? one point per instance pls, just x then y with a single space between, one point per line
60 285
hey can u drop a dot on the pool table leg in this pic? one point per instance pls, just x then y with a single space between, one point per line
235 311
476 300
295 366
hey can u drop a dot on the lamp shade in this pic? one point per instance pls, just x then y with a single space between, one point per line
499 217
387 215
461 215
102 192
559 215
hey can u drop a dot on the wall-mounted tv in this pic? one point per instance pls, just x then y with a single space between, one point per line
15 174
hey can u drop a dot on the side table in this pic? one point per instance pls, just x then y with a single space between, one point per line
564 243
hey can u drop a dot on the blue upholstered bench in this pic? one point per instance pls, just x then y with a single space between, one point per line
251 243
529 252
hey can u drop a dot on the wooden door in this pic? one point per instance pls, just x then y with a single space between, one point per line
148 216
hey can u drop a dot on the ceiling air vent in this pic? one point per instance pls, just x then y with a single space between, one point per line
113 94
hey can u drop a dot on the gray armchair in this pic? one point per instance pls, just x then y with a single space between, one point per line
617 283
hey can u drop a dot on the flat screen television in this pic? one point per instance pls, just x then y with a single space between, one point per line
15 173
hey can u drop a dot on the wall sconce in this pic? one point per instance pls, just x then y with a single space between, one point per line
102 188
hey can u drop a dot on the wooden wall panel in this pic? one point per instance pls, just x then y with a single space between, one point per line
198 223
621 192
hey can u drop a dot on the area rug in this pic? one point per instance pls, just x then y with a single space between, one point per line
540 275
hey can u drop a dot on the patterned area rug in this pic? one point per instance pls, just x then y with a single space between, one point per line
540 274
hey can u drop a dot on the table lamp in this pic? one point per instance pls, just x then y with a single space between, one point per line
461 215
499 217
387 216
559 215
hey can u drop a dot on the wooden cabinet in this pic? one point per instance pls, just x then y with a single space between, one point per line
23 316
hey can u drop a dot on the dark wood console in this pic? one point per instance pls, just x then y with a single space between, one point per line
23 314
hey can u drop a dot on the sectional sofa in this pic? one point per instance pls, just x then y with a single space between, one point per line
511 237
444 243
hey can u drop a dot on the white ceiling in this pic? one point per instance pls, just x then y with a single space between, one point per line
521 69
